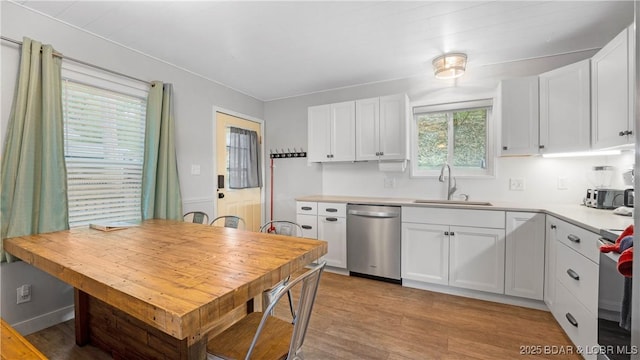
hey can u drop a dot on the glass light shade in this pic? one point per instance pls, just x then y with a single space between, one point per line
449 66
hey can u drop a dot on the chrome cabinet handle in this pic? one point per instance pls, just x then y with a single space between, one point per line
307 227
331 210
306 208
571 319
553 227
332 219
446 233
573 238
572 274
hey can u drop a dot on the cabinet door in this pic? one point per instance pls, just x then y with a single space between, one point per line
565 109
518 109
476 258
343 131
333 230
524 260
610 108
319 133
309 224
393 127
367 129
425 253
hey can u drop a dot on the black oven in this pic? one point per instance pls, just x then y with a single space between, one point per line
614 306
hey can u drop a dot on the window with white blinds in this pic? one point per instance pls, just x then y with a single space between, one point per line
104 133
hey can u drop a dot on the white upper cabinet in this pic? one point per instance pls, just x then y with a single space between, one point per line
381 128
612 78
518 113
367 129
331 132
565 121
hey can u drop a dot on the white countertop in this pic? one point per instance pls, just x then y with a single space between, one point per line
579 215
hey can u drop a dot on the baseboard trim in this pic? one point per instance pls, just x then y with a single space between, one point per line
480 295
44 321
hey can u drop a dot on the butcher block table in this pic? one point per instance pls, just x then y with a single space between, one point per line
159 289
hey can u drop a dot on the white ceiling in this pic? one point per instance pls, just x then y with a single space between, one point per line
272 50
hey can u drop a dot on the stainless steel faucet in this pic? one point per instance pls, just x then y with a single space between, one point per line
450 189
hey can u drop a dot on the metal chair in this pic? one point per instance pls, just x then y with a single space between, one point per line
197 217
230 221
282 227
269 341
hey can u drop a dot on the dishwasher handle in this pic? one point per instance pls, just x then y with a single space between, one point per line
374 214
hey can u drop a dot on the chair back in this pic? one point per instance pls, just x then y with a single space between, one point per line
282 227
230 221
310 281
197 217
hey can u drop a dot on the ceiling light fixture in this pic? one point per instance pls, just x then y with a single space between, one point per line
449 66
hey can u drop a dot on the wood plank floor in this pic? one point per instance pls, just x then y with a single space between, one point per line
357 318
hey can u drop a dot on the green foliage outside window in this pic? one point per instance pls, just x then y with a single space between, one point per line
466 148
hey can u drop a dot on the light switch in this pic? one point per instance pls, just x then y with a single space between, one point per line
195 169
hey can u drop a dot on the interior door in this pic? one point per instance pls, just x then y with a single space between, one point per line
245 203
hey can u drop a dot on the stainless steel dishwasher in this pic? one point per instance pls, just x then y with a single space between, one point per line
373 241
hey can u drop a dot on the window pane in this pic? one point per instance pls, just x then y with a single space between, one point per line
469 138
104 149
432 140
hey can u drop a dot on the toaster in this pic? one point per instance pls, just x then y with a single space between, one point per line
604 198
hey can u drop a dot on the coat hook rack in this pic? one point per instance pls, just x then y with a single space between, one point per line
282 154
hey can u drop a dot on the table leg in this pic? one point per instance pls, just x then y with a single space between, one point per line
250 306
82 317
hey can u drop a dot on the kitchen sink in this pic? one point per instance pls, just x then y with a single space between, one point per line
453 202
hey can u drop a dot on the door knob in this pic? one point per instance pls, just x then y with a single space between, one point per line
220 195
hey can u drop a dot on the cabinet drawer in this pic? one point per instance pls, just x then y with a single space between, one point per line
309 225
332 209
456 217
583 241
306 207
579 275
578 323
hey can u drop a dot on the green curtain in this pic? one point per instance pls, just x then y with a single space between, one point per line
34 176
160 186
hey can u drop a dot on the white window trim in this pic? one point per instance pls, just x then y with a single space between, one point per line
488 173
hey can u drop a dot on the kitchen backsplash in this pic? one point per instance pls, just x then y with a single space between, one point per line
550 180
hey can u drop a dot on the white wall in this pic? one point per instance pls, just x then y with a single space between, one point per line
195 98
286 121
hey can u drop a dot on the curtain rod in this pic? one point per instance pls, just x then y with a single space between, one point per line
82 62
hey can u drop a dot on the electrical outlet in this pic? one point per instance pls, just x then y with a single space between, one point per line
563 183
195 169
389 183
516 184
23 294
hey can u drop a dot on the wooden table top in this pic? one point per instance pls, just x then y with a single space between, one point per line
176 276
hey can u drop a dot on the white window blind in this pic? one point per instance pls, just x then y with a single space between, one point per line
104 149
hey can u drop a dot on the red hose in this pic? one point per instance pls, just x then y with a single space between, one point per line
271 228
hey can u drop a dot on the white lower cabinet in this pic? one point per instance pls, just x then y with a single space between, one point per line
525 251
425 253
578 323
476 258
328 222
333 230
572 282
449 253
